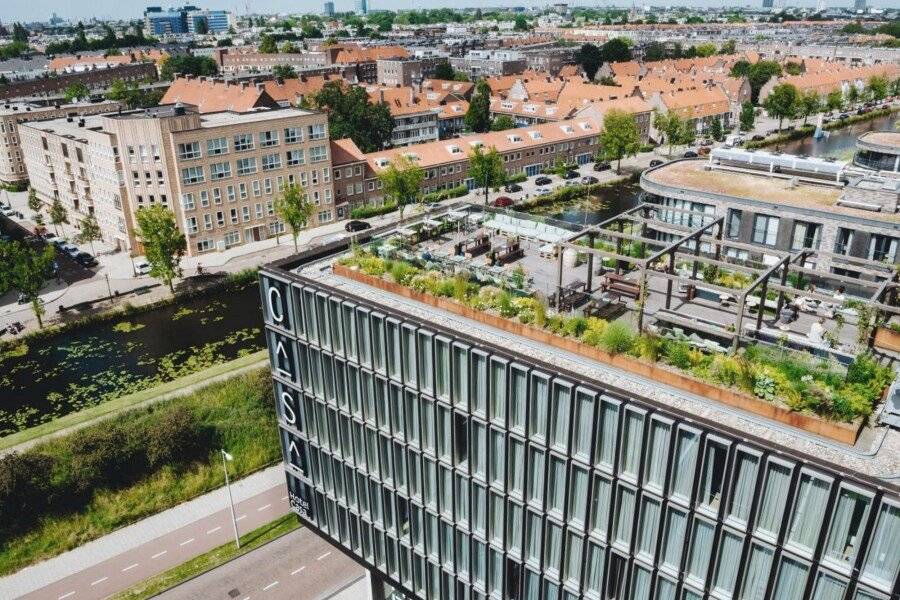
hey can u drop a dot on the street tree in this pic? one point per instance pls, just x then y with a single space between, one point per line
589 59
715 129
187 64
704 50
284 71
781 103
877 87
77 90
34 203
808 103
670 125
747 117
58 215
89 231
478 117
164 244
268 45
834 100
502 123
852 94
617 49
486 169
402 182
620 137
351 114
294 207
443 70
28 269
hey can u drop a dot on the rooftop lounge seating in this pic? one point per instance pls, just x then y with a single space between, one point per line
528 229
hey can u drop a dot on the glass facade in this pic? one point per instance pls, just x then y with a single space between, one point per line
454 470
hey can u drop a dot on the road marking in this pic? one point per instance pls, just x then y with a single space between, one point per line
241 517
264 507
158 554
101 580
270 586
186 542
129 567
295 571
284 497
72 593
213 530
324 556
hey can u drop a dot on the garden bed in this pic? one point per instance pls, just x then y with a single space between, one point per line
788 387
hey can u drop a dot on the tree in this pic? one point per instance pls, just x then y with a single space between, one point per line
117 91
478 117
77 90
402 182
486 169
620 137
877 87
834 100
852 94
502 123
351 114
268 45
202 27
19 33
164 244
589 59
740 68
58 215
704 50
224 42
781 102
34 203
460 76
748 117
284 71
29 269
616 50
295 208
715 129
808 103
793 68
89 231
670 125
655 51
758 74
187 64
443 70
729 47
521 23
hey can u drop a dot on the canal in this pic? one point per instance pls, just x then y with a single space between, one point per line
840 143
47 378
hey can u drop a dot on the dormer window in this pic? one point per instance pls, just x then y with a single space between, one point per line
453 149
382 162
585 126
514 138
567 129
535 135
476 143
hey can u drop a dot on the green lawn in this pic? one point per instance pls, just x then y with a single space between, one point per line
239 415
212 559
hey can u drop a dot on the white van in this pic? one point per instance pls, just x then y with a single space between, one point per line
733 140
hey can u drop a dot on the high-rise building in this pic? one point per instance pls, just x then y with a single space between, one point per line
185 19
328 10
860 5
767 3
458 454
361 7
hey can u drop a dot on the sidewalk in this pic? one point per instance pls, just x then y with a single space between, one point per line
128 538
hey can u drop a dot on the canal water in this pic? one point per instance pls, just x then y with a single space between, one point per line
51 377
610 201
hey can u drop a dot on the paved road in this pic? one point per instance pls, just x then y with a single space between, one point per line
167 551
297 566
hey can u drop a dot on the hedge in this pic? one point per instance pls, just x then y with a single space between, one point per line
439 195
370 210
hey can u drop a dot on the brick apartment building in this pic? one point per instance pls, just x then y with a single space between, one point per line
97 79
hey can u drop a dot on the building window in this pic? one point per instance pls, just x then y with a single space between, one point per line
765 229
883 248
217 146
187 201
243 142
204 245
293 135
268 139
246 166
805 235
192 175
189 150
317 132
232 238
843 241
271 161
849 517
295 157
733 223
318 154
220 170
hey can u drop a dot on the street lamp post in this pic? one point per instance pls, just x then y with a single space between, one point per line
225 458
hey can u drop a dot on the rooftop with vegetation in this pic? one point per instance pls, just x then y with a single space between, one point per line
689 310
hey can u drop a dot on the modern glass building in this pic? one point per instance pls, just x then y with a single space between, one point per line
456 467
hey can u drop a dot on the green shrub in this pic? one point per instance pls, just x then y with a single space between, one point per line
460 287
764 387
724 370
517 178
677 354
649 346
617 338
402 272
505 305
593 333
366 211
575 326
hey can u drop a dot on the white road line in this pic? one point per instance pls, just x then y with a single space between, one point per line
284 497
72 593
270 586
213 530
129 567
101 580
241 517
295 571
186 542
324 555
264 507
158 554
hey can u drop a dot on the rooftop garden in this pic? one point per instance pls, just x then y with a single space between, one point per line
797 381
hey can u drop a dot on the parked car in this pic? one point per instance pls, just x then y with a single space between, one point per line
512 187
542 180
602 165
4 205
7 212
843 116
85 259
48 235
570 183
655 162
571 174
542 190
70 249
357 225
690 154
142 268
503 202
758 137
589 180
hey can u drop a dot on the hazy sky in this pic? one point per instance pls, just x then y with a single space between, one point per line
40 10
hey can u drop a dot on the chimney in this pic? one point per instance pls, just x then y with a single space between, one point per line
260 87
381 96
243 85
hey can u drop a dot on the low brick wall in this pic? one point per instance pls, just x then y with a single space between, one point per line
845 433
